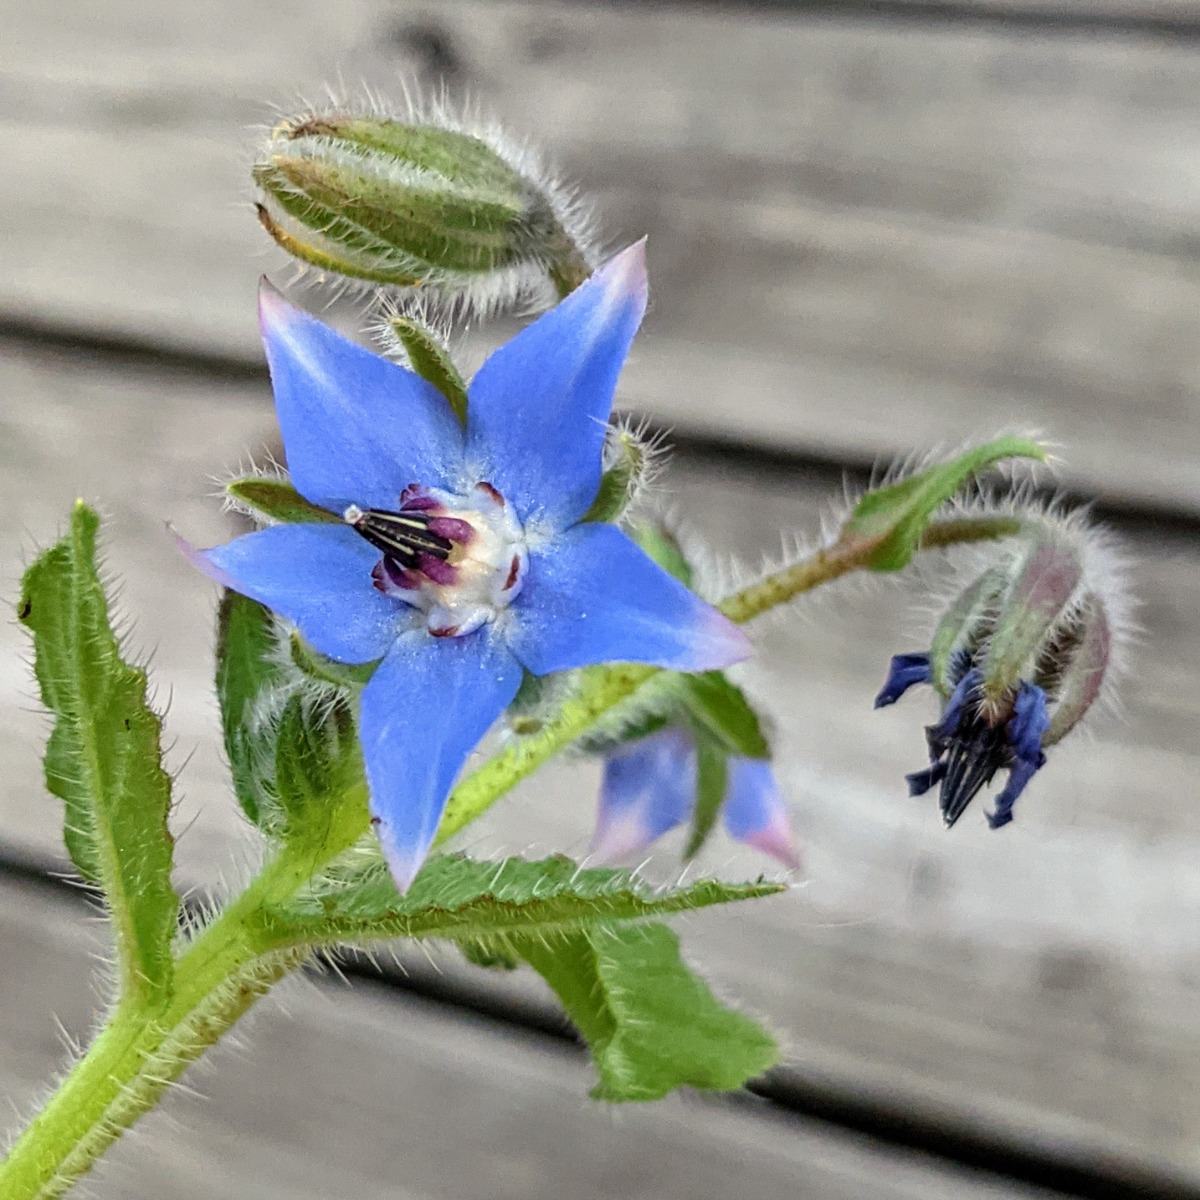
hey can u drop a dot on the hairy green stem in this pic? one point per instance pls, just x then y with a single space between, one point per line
140 1051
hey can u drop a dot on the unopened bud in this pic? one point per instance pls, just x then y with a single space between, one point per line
409 204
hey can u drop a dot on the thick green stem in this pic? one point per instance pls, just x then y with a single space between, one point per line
139 1052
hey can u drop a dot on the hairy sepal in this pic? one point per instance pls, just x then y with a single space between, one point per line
888 522
104 758
277 500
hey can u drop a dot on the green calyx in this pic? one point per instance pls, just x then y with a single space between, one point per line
403 204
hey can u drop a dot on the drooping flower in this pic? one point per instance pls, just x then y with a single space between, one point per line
651 786
1019 658
461 559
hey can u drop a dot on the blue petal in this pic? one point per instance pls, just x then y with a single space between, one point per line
952 714
357 429
754 810
1029 722
1018 778
592 596
905 671
539 406
648 789
1026 728
318 576
919 782
424 711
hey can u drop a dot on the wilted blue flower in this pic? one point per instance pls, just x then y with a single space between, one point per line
1018 660
461 560
650 787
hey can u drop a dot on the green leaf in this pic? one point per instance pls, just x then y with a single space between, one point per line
103 759
651 1024
712 775
351 677
466 901
430 359
277 499
247 669
722 710
891 519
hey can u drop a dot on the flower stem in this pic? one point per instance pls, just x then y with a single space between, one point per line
139 1051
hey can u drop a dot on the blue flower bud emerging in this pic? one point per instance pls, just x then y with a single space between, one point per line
1018 659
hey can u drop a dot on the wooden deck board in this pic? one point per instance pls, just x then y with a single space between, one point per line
338 1092
1041 982
864 234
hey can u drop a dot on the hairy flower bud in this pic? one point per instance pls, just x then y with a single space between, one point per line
410 204
1019 657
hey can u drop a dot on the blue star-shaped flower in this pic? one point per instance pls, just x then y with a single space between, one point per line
649 788
462 559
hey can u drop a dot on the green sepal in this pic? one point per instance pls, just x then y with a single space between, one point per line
722 710
663 547
317 759
465 901
430 359
103 758
712 778
248 670
968 619
278 500
350 677
651 1024
620 482
891 519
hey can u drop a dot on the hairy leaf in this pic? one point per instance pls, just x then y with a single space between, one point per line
465 901
103 759
892 518
247 669
651 1024
712 777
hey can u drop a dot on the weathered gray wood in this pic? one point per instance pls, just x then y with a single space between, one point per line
864 234
1147 11
1040 981
349 1093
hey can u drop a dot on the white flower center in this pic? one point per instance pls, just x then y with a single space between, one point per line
460 560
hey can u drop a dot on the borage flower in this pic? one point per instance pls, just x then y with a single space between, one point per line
461 560
651 785
1018 660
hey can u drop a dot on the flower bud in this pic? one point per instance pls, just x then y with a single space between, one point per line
408 204
1019 657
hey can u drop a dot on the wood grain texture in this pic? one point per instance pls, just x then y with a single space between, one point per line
1040 983
864 235
334 1092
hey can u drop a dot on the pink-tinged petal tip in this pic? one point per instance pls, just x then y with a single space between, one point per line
624 275
755 812
778 841
403 863
618 837
200 560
